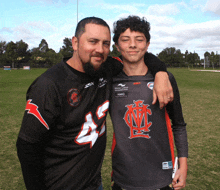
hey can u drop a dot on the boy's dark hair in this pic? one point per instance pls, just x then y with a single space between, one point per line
80 28
135 23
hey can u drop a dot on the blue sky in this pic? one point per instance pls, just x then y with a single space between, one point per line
192 25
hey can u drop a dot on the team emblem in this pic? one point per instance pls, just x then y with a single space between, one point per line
150 85
136 117
73 97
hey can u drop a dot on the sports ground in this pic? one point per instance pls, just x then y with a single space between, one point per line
200 98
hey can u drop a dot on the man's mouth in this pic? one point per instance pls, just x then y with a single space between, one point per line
98 57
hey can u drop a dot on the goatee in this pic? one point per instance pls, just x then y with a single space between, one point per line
91 71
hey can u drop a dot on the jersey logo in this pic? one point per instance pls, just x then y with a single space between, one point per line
33 109
122 85
89 84
136 117
102 82
150 85
74 97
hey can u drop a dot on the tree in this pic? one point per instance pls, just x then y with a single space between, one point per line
171 56
2 53
52 58
22 53
2 47
43 46
21 48
35 57
212 58
38 55
206 54
67 49
11 53
114 52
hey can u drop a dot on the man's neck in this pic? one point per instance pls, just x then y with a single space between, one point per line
75 63
135 69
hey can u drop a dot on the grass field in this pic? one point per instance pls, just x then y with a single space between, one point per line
200 98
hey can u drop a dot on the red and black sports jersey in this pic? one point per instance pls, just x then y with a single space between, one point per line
142 150
66 111
62 139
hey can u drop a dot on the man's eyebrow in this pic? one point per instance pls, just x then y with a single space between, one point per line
93 39
96 39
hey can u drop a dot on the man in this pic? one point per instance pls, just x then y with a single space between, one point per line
62 139
142 150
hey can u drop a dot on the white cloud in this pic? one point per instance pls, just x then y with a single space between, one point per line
133 9
166 9
49 2
30 32
6 30
197 37
166 29
213 6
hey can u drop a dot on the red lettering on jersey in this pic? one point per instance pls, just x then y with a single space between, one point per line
136 83
33 109
136 117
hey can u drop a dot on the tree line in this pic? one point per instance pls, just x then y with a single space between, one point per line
18 55
174 58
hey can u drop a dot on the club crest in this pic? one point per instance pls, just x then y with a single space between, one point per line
74 97
136 117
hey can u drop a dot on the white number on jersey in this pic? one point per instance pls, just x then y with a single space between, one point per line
89 133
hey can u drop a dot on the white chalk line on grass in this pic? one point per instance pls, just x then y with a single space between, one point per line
207 70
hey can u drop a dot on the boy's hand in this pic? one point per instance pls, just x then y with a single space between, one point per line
162 90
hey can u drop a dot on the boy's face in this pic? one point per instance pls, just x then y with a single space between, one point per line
132 45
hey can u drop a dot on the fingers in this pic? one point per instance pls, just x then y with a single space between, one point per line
179 185
179 181
165 98
163 90
170 95
162 101
154 97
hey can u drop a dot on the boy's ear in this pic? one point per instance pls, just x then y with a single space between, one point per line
116 45
75 43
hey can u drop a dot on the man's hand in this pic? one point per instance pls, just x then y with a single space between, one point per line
163 90
179 181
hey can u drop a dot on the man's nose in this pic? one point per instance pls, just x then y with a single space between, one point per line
99 48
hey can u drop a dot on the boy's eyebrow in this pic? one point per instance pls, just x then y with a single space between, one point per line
135 36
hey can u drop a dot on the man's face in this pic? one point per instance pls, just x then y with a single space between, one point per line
93 46
132 45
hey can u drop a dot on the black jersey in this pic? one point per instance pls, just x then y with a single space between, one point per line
142 150
62 139
66 111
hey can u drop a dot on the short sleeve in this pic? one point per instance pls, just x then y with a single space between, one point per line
41 111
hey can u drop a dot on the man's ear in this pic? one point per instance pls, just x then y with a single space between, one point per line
75 43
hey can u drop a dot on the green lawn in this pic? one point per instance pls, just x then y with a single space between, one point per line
200 98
